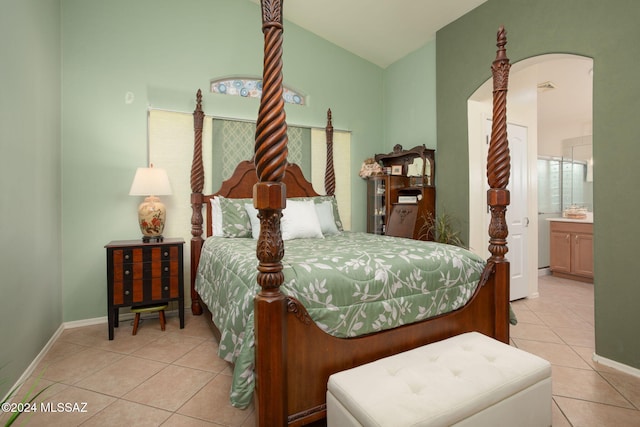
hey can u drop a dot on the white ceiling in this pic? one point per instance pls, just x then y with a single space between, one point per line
380 31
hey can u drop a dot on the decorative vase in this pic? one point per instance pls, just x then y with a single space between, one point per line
151 218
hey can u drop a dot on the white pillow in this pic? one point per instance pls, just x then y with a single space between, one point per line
299 221
216 217
324 211
253 217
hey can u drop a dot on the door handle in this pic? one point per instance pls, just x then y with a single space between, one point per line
526 221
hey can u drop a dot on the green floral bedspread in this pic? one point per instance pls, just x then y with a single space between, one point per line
351 284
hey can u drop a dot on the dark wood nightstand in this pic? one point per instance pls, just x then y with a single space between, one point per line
144 273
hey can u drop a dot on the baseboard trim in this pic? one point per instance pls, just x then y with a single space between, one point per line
34 363
85 322
616 365
104 319
546 271
70 325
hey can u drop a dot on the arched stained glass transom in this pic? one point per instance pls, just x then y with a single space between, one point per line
252 88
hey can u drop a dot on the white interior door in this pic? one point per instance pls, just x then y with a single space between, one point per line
517 219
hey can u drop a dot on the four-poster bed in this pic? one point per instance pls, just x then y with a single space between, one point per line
293 355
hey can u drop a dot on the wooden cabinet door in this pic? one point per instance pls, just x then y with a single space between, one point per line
582 254
377 189
560 251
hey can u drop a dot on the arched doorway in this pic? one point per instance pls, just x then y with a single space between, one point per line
551 96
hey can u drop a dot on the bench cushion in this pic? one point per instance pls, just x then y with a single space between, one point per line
439 384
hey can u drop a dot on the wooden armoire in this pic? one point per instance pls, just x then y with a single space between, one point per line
401 201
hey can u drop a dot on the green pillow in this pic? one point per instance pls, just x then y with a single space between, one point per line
235 219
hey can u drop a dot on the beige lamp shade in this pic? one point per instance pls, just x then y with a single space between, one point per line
150 182
152 214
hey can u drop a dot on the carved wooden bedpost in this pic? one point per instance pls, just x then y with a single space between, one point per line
498 177
269 197
197 185
330 174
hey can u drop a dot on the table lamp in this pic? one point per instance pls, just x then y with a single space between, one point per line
151 182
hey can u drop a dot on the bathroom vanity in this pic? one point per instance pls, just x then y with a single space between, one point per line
571 248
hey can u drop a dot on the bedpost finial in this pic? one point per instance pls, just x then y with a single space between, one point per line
502 36
500 67
330 173
501 43
199 100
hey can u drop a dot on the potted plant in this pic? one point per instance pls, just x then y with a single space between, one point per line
441 228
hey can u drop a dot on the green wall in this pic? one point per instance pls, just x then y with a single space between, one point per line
410 100
30 211
608 32
162 51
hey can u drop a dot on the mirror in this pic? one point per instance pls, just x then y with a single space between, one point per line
577 173
420 167
415 167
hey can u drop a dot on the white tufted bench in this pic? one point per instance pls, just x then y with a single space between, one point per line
466 380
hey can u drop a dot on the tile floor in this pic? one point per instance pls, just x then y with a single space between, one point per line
174 378
170 378
558 326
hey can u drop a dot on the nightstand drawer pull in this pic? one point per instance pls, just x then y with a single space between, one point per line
126 292
166 288
127 257
166 254
127 272
166 269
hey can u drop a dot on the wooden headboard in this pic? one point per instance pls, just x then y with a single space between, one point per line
241 182
240 186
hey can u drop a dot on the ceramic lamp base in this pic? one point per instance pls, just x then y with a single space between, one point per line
151 218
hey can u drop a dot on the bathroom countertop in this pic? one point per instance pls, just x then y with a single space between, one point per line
587 220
